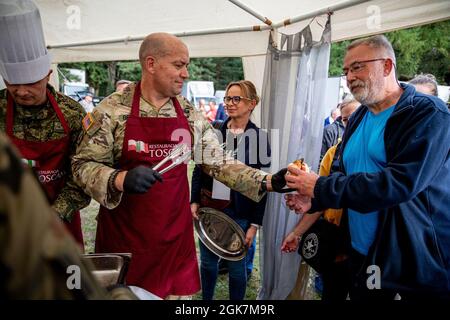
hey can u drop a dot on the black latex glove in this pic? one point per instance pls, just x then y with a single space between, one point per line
279 182
140 179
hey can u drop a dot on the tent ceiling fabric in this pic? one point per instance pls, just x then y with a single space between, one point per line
72 21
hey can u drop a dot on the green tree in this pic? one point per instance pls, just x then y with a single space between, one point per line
129 70
409 48
66 75
97 75
219 70
423 49
436 58
228 70
337 54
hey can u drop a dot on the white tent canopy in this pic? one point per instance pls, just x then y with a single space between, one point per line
72 27
73 22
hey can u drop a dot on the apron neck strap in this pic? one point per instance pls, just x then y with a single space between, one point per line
58 112
177 106
137 97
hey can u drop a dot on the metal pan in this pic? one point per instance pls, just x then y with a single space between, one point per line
109 268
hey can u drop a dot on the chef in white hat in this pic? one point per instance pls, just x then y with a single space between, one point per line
44 125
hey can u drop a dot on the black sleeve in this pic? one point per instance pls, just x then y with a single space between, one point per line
258 214
260 207
327 140
196 184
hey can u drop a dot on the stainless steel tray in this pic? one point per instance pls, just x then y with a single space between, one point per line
220 234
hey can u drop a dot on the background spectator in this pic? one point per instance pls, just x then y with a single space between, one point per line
425 83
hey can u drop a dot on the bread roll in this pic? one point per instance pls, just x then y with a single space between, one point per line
300 163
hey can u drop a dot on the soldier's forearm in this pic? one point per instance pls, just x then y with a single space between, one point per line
240 178
93 178
68 201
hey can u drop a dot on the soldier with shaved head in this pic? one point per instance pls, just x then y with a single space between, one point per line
142 211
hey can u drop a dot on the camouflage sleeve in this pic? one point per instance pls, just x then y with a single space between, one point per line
221 165
35 248
69 200
92 164
72 198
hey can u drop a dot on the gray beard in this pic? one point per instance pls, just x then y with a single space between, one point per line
367 94
365 98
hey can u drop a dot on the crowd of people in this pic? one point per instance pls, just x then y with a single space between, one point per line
384 178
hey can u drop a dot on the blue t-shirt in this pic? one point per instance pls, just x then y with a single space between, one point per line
365 152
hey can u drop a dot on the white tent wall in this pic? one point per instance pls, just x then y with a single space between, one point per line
54 78
254 71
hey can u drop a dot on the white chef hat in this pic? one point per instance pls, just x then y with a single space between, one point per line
23 55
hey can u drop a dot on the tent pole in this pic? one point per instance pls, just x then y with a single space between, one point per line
178 34
251 11
336 7
319 12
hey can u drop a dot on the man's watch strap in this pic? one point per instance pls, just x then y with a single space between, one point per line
264 183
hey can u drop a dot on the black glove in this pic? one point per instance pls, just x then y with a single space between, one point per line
279 182
140 179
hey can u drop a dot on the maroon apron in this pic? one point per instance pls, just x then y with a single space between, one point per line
156 227
49 160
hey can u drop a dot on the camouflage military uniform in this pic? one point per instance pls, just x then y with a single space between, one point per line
42 124
35 248
101 148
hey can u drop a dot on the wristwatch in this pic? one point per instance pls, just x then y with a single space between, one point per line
264 183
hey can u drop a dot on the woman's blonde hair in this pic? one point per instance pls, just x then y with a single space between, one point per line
247 88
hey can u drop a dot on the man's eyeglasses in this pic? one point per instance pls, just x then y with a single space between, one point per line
234 99
358 66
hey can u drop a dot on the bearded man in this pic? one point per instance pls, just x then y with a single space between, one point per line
393 182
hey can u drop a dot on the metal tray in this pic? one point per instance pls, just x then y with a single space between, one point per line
220 234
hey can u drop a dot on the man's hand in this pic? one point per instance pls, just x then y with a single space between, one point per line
290 243
276 182
250 235
298 203
302 181
194 210
139 180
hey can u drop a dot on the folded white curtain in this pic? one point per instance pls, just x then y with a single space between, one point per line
293 103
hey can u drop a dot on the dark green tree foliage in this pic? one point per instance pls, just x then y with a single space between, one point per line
96 75
337 54
423 49
103 75
220 70
67 75
128 70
